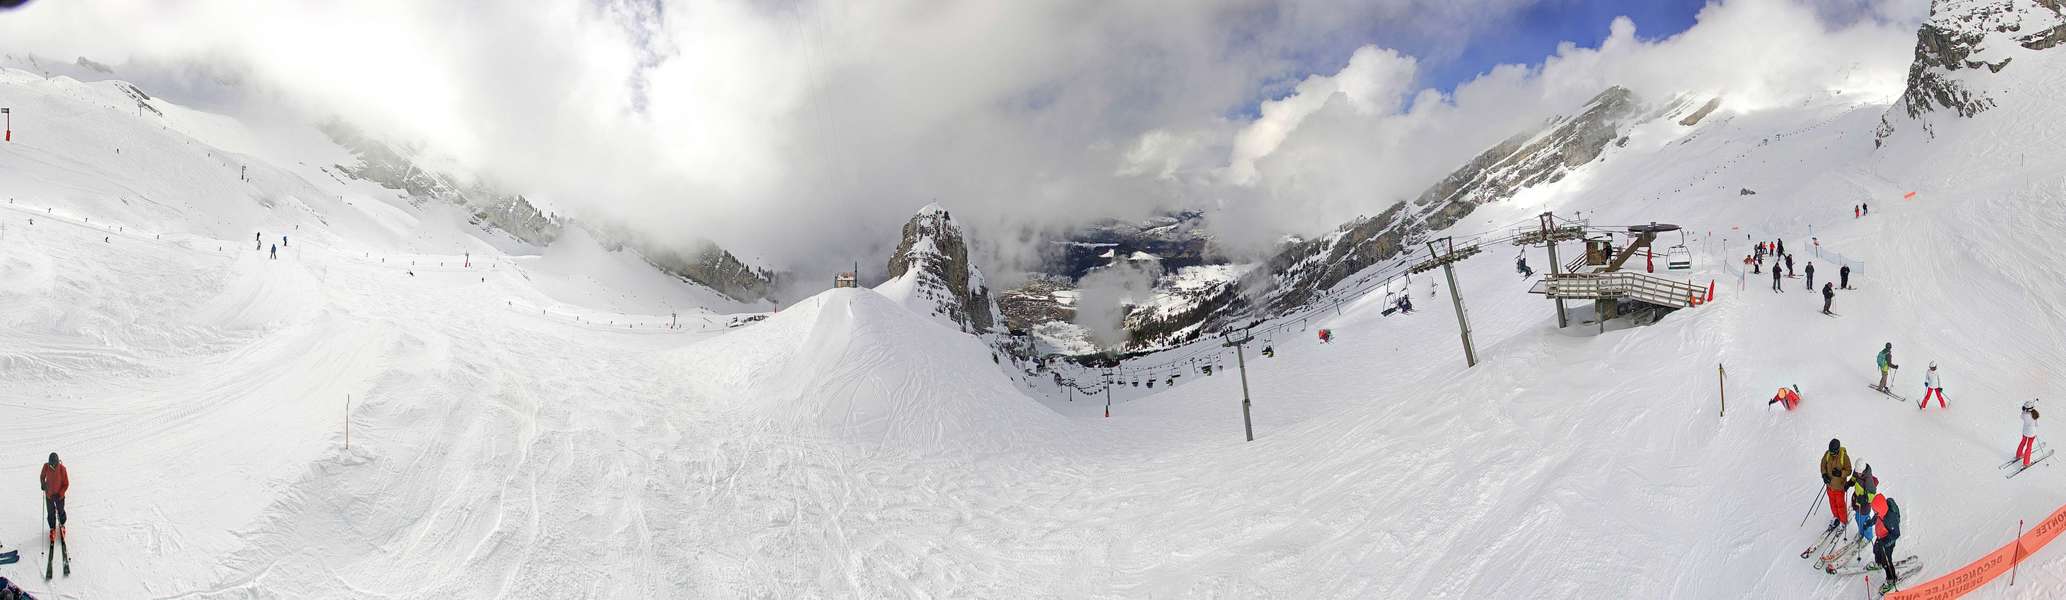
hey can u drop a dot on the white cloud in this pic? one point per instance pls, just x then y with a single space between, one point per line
805 132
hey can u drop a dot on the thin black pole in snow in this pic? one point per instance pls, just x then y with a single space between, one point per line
1819 491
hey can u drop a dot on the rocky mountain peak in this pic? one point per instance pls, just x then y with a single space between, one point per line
1960 46
930 272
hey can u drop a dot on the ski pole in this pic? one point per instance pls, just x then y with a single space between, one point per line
1811 509
2016 562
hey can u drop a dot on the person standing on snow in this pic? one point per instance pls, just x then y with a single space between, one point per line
1843 277
1836 475
1779 248
276 253
1810 270
1828 296
258 238
1886 521
1775 277
1864 486
2024 447
55 482
1930 386
1789 264
1886 364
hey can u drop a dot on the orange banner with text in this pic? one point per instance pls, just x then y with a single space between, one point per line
1994 564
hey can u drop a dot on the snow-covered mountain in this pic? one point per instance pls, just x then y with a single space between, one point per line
931 273
400 406
1960 52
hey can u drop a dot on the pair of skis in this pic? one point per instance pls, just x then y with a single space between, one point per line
57 542
1887 392
2016 466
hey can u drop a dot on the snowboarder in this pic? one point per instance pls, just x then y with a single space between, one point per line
276 253
2029 432
1828 296
1930 386
1843 277
1836 475
1775 277
1886 364
1326 336
55 482
1810 270
1788 397
1886 522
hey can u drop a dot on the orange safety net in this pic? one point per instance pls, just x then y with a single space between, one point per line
1994 564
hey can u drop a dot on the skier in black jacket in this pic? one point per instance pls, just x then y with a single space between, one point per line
1843 277
1775 277
1828 295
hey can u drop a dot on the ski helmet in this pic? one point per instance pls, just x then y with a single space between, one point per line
1835 445
1933 365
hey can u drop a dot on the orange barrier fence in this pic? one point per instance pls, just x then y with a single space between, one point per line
1994 564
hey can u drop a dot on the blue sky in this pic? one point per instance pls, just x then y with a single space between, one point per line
1533 33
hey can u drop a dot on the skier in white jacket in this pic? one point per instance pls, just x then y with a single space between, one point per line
2029 432
1930 386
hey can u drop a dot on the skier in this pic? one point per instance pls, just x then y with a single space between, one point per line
55 482
1836 475
1854 211
1828 296
1886 522
1843 277
1521 265
1867 207
1775 277
1754 263
1788 397
1779 247
1810 270
1789 265
276 253
1326 336
1886 364
2029 432
1864 486
1930 386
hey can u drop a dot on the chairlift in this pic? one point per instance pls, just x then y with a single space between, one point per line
1678 258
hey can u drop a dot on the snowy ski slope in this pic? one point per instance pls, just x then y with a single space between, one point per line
527 428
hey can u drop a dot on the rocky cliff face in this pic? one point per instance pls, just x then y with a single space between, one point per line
930 272
388 166
1962 43
715 268
392 168
1298 274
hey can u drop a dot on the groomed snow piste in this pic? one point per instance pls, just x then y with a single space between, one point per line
528 426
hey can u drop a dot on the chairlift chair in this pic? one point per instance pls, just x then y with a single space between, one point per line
1678 258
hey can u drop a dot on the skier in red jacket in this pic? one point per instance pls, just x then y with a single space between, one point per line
55 481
